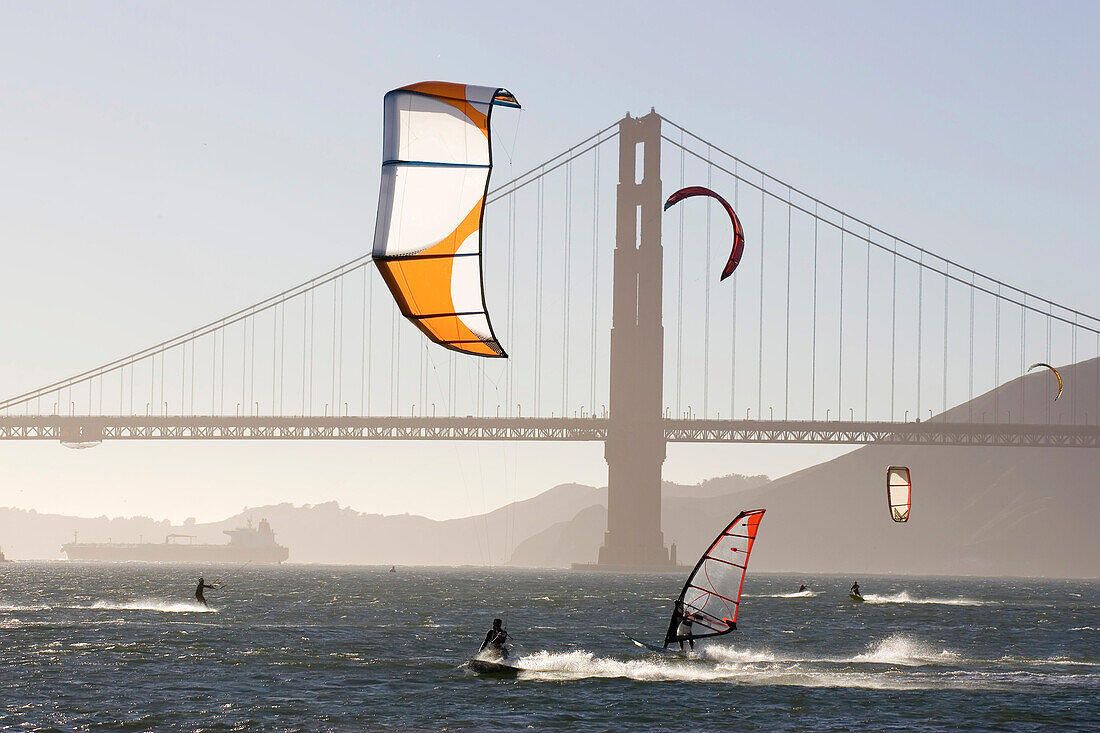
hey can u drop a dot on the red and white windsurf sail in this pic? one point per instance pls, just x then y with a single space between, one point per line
708 604
899 492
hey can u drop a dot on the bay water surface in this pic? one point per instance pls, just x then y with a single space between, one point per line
125 647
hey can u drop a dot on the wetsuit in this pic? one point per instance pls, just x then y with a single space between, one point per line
855 589
198 592
494 640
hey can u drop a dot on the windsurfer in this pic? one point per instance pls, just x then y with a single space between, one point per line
802 588
855 589
684 628
198 591
494 640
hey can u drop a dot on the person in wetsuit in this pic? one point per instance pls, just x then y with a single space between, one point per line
855 589
802 589
494 640
683 622
198 591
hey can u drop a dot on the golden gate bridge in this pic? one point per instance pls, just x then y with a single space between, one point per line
832 330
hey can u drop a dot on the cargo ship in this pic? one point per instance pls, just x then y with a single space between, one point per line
246 545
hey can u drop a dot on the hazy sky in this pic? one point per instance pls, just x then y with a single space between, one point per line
164 164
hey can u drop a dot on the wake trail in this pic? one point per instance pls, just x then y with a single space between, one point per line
904 597
150 604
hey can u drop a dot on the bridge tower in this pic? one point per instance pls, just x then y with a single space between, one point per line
635 447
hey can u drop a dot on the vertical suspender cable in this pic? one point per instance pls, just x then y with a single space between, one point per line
396 363
997 358
867 335
566 293
970 400
920 323
679 288
1023 358
333 392
282 357
787 330
537 409
595 268
305 346
221 390
246 406
340 347
511 307
1073 360
393 358
946 303
813 327
312 318
840 335
362 352
760 333
706 303
893 327
1050 311
733 310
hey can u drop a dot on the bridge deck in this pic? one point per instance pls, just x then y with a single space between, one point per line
76 429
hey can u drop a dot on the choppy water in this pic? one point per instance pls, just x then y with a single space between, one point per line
317 648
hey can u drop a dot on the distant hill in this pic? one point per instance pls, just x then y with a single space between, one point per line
329 533
323 533
976 510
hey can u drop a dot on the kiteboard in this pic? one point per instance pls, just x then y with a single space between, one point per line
856 598
496 669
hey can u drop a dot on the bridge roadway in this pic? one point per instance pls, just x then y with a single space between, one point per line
91 429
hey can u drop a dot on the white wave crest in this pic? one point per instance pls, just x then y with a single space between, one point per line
731 655
741 667
904 597
901 649
152 604
580 664
796 594
6 607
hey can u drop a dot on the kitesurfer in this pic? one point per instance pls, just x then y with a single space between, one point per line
495 639
393 568
855 589
198 591
802 588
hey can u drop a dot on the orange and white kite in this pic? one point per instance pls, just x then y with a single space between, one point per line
436 161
